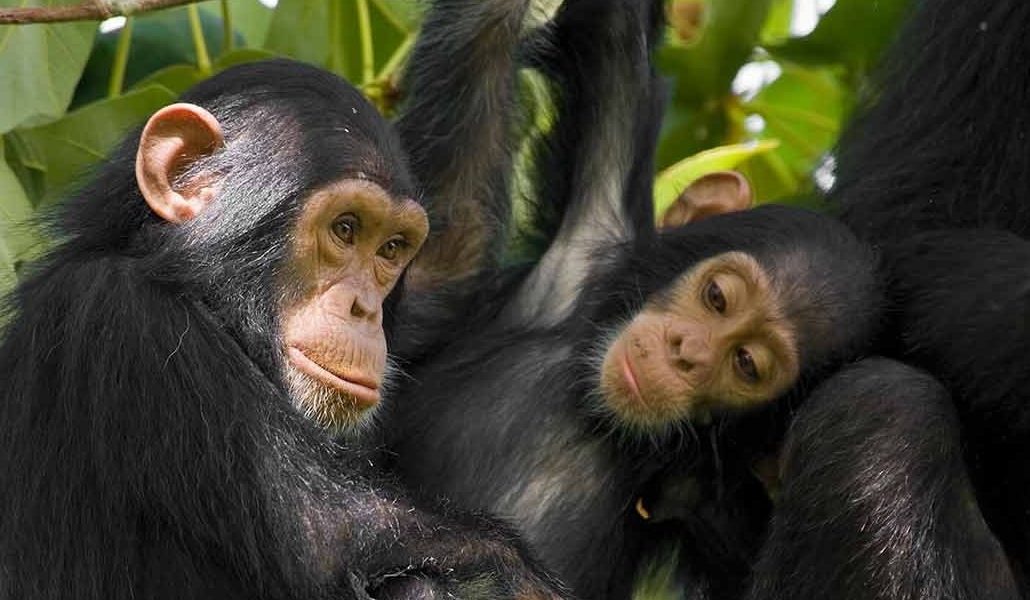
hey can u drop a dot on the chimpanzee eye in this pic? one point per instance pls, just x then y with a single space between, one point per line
746 365
345 227
391 248
713 297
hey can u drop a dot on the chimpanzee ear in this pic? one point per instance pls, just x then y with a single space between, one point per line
172 140
712 194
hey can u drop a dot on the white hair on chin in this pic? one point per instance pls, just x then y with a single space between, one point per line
328 407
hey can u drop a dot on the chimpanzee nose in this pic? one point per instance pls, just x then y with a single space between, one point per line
689 345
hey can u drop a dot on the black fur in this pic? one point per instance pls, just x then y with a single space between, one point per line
503 415
944 142
962 311
147 445
936 172
876 498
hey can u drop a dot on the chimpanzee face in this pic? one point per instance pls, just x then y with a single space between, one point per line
716 337
352 242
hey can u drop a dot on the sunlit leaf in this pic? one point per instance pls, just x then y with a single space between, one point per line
65 149
852 33
777 24
673 180
803 110
39 67
771 179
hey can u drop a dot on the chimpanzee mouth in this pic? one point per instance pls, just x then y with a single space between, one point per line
364 391
630 377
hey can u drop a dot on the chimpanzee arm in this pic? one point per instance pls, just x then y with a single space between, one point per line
596 168
457 130
876 502
944 143
431 552
963 314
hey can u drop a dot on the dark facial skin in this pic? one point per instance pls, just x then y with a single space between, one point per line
716 338
353 241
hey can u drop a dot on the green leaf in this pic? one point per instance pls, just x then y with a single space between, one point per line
64 149
300 29
852 33
39 67
250 19
326 33
160 40
405 15
705 69
242 56
803 109
19 240
770 178
688 129
176 78
777 24
673 180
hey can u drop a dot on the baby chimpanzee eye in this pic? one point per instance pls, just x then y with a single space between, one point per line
746 365
714 298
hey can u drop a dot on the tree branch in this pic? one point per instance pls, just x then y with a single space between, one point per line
97 10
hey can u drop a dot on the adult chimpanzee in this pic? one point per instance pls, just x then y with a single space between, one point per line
558 390
228 261
933 171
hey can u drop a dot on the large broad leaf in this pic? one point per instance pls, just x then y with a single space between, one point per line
176 78
239 57
300 29
328 33
673 180
19 240
802 110
250 19
65 149
405 15
852 33
179 78
39 67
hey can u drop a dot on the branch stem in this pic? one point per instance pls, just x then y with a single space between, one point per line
121 60
96 10
368 61
199 45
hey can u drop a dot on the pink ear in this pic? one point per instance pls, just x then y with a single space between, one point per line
172 139
712 194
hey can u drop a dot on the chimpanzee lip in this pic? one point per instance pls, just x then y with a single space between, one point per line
364 391
630 376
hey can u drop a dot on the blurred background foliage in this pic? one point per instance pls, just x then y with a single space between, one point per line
761 86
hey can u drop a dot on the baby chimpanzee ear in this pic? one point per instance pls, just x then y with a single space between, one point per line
174 138
713 194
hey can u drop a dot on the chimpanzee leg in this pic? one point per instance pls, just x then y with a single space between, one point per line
876 500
